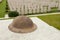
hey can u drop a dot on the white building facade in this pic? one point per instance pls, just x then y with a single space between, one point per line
33 6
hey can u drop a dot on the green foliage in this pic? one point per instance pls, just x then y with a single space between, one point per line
2 8
54 9
13 14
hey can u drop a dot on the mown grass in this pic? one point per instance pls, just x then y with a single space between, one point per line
53 20
2 8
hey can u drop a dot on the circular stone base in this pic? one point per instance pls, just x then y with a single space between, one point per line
26 30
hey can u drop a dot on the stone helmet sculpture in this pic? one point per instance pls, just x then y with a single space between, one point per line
22 24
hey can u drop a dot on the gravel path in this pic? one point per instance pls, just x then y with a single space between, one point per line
43 32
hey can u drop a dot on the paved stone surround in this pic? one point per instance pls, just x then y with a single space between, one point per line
43 32
0 0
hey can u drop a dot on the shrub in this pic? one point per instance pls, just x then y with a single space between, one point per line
7 8
6 11
13 14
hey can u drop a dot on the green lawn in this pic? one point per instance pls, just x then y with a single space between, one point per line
53 20
2 8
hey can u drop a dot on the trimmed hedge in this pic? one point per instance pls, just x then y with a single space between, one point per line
13 14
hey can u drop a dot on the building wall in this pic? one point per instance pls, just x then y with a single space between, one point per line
33 6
